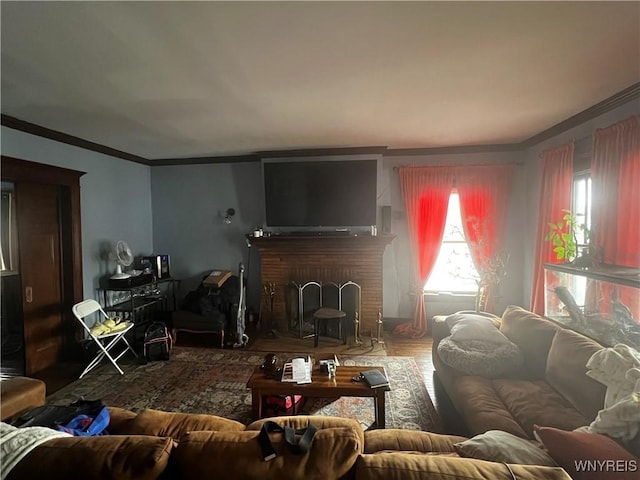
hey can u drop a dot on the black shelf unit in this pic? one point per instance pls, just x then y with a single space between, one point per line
142 303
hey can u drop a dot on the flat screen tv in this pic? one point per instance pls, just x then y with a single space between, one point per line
331 193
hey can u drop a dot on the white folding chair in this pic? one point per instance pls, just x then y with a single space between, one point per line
106 341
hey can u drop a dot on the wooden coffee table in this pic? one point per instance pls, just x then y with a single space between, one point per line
321 386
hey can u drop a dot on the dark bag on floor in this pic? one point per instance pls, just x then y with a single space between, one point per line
157 342
277 405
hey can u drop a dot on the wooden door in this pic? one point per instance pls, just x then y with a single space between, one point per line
39 233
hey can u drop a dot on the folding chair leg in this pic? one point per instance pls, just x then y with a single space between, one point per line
105 353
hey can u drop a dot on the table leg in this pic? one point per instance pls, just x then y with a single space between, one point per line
380 409
256 404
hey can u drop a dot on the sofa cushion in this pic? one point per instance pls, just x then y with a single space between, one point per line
120 420
408 440
411 466
534 401
567 372
103 457
238 455
482 408
176 424
479 357
533 335
499 446
298 422
605 457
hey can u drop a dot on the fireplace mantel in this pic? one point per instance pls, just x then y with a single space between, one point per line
324 258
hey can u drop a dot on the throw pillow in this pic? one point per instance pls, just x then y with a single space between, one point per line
470 315
588 456
474 327
477 357
503 447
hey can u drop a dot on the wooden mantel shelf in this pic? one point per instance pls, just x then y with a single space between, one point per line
324 258
326 239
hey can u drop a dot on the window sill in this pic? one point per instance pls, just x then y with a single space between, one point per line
449 294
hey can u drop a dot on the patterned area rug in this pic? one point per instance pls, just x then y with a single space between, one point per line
202 380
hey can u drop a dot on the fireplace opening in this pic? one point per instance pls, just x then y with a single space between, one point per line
306 298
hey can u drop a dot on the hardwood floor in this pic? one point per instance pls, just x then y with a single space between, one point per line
420 350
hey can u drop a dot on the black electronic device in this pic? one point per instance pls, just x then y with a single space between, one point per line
385 218
159 265
328 194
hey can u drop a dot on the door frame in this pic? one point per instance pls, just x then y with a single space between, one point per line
23 171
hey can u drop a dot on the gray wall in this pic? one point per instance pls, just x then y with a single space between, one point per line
178 210
189 203
115 199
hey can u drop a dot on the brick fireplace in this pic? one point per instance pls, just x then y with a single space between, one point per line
287 260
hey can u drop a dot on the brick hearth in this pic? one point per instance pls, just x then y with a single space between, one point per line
292 258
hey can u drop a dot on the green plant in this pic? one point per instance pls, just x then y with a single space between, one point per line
563 236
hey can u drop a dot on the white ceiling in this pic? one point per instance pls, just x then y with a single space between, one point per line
189 79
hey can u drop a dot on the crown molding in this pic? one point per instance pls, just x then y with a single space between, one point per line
498 147
323 152
44 132
620 98
252 157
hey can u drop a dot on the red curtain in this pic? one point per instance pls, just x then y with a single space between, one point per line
484 200
555 196
615 173
426 192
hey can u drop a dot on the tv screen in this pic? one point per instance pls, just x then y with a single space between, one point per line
336 193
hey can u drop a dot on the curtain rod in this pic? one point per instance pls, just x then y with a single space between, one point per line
574 140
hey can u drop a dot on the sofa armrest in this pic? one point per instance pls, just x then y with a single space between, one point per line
19 394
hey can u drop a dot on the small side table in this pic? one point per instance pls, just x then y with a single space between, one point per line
328 314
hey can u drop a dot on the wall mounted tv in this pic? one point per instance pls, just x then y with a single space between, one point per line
331 193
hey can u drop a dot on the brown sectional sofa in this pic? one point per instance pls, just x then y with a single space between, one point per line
551 389
154 444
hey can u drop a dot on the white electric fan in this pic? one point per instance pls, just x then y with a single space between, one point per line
123 257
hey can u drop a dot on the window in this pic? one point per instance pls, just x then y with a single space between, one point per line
454 270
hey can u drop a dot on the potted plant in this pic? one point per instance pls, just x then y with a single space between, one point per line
563 236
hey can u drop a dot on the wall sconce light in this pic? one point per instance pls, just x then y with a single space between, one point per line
228 214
